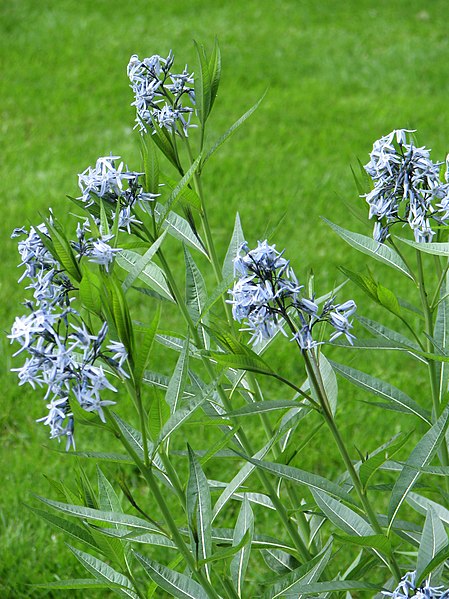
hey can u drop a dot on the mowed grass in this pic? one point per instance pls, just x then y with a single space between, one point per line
337 76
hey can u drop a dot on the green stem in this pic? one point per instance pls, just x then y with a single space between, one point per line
240 436
434 386
171 524
316 382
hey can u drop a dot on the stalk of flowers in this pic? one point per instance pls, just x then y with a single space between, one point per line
63 356
407 187
161 97
407 589
266 295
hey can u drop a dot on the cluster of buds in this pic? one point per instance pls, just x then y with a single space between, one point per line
63 356
161 97
267 295
407 187
407 589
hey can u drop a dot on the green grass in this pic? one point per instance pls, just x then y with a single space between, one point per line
338 74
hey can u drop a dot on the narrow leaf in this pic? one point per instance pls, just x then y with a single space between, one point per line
239 564
235 244
434 538
342 516
367 245
199 508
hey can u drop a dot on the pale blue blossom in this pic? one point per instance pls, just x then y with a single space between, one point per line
267 298
407 187
160 96
407 589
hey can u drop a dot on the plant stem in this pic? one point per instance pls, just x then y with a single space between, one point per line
316 382
171 524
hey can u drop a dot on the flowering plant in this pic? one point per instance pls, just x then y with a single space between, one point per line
93 350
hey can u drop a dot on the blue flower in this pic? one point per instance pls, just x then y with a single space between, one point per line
407 589
267 296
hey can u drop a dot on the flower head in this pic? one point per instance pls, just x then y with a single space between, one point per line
407 187
161 97
407 589
267 296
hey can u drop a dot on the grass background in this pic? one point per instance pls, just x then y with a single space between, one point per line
339 75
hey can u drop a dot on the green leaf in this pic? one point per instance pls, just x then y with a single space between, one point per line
158 415
422 505
329 381
239 564
182 415
104 572
107 497
186 196
145 338
315 588
379 542
142 262
379 330
305 574
261 407
220 141
434 538
222 287
215 72
77 583
378 251
76 531
121 316
179 228
80 511
441 336
163 141
239 479
342 516
90 291
301 477
251 362
370 466
150 164
434 248
178 585
176 193
63 249
388 300
152 275
382 389
421 456
203 86
196 294
177 384
199 510
235 244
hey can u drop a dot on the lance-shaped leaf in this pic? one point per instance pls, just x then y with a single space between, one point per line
176 386
90 291
176 584
307 573
87 513
421 456
239 479
434 248
199 509
150 164
380 330
108 499
80 533
434 538
196 294
179 228
145 338
76 583
262 407
176 192
142 262
182 415
330 586
441 336
104 572
152 275
423 505
342 516
302 477
329 381
235 244
367 245
399 400
239 563
378 457
158 415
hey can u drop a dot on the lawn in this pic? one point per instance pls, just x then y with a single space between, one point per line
337 76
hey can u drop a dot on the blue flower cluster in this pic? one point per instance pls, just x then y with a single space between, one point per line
407 589
407 187
63 355
160 95
267 295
